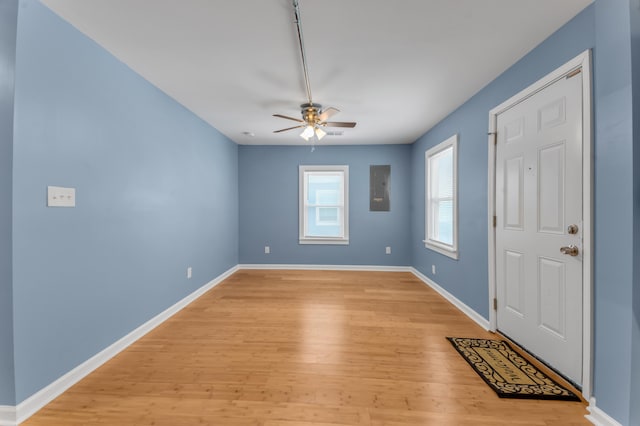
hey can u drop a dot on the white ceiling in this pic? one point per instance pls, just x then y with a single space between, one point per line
395 67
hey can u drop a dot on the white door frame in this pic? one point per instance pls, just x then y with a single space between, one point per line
581 63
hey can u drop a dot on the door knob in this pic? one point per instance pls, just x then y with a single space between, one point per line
571 250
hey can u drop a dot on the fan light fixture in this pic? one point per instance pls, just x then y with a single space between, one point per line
309 131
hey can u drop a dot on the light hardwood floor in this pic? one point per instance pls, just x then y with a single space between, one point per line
285 348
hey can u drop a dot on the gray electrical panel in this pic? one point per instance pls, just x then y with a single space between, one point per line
379 188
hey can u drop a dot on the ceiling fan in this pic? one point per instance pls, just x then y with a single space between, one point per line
314 118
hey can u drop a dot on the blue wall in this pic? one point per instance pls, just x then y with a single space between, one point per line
269 206
8 22
156 192
466 278
614 225
634 417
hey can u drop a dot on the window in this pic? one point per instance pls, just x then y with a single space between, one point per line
441 210
324 206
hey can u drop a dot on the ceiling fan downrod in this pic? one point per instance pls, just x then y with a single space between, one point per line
296 10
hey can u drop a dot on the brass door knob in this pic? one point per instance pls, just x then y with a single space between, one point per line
571 250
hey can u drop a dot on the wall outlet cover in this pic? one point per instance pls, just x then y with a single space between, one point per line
58 196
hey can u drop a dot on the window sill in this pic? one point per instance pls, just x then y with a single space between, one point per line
442 250
325 241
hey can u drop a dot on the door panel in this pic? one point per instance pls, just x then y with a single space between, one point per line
552 290
514 197
552 114
538 194
514 274
551 186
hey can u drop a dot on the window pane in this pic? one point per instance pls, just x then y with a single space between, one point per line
327 215
324 189
441 165
445 174
323 222
444 227
327 197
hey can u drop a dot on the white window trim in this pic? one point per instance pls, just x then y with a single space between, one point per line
302 238
445 249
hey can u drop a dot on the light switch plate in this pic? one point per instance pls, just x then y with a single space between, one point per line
58 196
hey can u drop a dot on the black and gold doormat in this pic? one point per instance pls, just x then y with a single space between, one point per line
508 373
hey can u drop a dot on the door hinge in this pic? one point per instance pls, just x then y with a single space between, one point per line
495 137
574 73
495 304
495 221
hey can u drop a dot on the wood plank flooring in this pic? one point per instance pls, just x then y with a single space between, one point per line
303 348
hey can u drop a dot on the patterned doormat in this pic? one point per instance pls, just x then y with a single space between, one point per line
508 373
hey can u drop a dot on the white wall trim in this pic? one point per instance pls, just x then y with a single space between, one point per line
7 415
479 319
325 267
582 62
35 402
599 417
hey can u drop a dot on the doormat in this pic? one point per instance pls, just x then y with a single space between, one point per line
508 373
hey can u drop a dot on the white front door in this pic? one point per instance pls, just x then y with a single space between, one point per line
539 222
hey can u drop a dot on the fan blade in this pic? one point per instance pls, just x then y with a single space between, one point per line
327 113
289 128
339 124
288 118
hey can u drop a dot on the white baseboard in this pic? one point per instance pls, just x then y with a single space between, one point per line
479 319
7 415
325 267
35 402
599 417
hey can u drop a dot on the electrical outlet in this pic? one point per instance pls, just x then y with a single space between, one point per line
387 250
433 269
189 272
267 249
